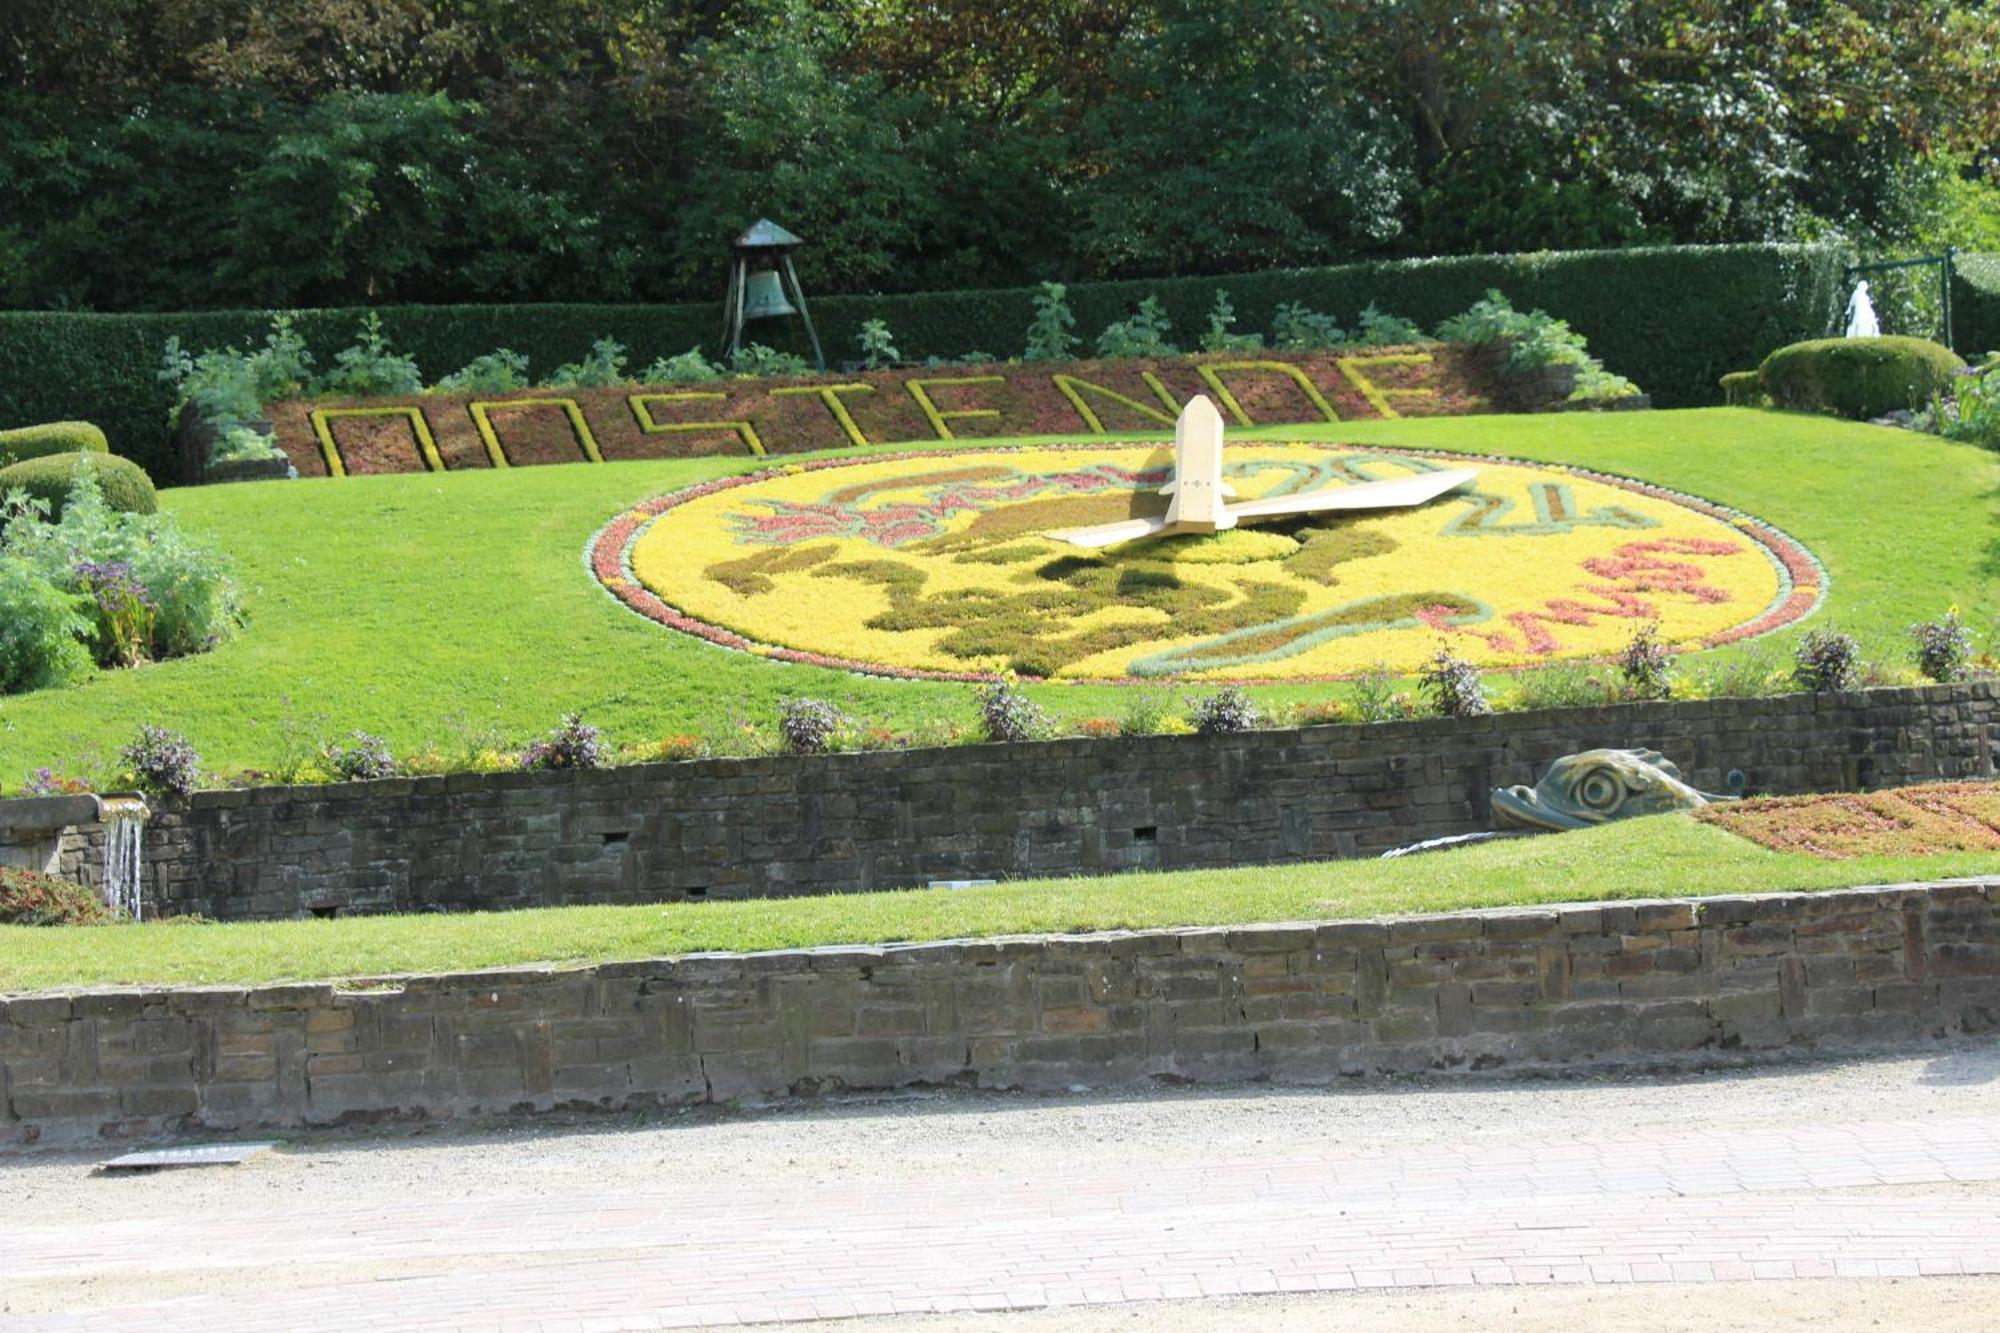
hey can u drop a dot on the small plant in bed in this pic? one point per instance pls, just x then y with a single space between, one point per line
1223 713
573 745
1826 661
1452 686
808 725
1943 648
1006 714
162 761
360 757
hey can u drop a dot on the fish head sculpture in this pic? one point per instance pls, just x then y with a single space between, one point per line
1598 786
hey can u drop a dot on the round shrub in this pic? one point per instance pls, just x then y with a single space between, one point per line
1744 388
1859 378
57 437
125 484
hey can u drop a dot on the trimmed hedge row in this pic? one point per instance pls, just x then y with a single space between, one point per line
1975 305
1673 318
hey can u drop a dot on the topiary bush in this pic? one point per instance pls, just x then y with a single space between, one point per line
125 486
1859 378
1744 388
30 899
56 437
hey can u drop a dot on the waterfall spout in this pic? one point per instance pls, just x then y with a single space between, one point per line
124 819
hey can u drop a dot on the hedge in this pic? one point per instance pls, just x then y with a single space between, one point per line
55 437
1975 305
124 483
1744 388
1673 318
1860 378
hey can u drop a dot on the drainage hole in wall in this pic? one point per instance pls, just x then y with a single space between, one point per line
325 913
699 891
613 839
1146 833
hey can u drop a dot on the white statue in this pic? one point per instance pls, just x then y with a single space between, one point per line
1861 321
1199 491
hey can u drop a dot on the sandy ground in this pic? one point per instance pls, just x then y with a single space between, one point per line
1932 1305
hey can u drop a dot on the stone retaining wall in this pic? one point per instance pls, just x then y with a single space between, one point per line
1654 981
837 823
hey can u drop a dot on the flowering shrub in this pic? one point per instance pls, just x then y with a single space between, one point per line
1006 714
808 726
683 747
1223 713
1321 713
124 611
360 757
1943 648
1647 664
31 899
1452 686
1826 660
1972 412
162 761
574 744
132 586
47 782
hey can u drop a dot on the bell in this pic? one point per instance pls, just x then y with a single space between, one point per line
764 296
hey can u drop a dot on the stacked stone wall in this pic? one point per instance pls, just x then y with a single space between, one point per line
774 827
1656 982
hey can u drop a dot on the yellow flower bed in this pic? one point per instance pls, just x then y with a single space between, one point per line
940 564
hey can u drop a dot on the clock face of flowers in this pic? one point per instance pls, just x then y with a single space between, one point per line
941 565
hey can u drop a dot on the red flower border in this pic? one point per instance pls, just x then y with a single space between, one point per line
1802 579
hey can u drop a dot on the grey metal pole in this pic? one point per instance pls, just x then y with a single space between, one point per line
799 294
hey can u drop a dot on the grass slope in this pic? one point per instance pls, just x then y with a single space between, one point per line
1667 855
417 607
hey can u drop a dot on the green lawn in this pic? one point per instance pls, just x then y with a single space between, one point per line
1666 855
425 607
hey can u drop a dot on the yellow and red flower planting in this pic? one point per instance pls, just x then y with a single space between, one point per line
939 565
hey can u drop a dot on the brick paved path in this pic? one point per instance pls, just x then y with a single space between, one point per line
1863 1200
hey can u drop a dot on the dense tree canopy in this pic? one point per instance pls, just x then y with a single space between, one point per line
186 153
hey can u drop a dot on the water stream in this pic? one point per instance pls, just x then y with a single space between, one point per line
124 824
